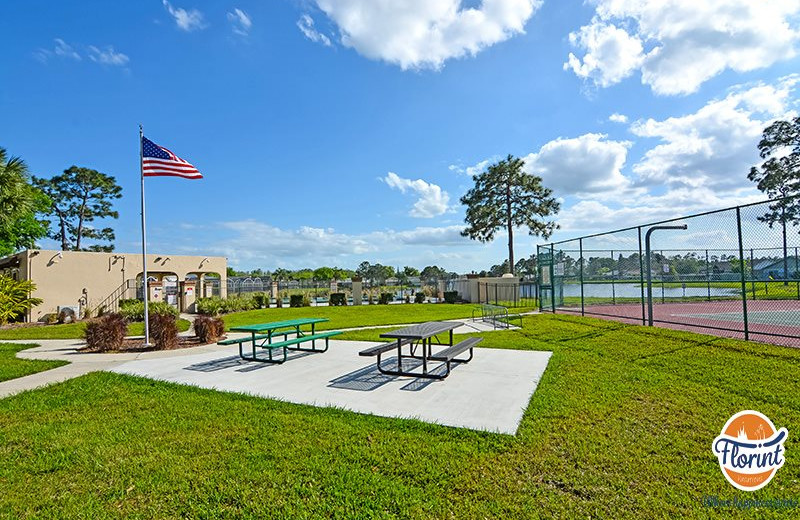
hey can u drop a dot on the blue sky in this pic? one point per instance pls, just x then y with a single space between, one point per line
336 131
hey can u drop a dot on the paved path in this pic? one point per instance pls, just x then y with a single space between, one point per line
82 363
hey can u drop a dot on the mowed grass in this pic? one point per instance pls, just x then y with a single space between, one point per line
361 316
620 426
70 331
12 367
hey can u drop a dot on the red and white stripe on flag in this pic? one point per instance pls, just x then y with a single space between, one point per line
158 161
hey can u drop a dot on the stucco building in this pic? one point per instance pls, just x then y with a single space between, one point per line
93 280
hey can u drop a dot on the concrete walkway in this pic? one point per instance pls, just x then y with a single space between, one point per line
83 363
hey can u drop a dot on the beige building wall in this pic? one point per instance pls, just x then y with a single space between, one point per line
82 278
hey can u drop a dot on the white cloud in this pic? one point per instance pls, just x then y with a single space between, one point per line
187 20
618 118
432 201
306 26
677 45
107 56
715 146
611 53
251 242
241 23
425 33
473 170
62 49
591 163
591 215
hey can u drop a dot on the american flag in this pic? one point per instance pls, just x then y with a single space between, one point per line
157 161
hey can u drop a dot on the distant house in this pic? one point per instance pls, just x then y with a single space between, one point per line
777 269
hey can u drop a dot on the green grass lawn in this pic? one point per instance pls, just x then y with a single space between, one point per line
70 331
12 367
361 316
620 426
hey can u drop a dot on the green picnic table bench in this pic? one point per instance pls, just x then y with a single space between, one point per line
262 335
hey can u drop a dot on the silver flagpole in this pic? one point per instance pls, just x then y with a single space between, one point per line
145 284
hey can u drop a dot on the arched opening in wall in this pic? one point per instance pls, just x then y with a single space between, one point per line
162 286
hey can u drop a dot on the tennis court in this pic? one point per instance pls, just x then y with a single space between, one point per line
771 321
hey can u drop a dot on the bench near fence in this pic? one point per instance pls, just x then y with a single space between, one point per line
496 314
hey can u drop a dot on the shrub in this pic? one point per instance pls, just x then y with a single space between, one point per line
385 298
419 297
208 329
296 300
15 298
164 331
135 311
106 333
338 299
210 306
450 296
306 300
238 303
124 302
260 300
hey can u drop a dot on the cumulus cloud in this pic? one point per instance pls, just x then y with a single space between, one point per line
618 118
591 163
593 215
715 146
473 170
306 26
425 33
107 56
677 45
240 21
432 200
244 243
611 53
187 20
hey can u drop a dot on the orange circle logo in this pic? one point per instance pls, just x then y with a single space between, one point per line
750 450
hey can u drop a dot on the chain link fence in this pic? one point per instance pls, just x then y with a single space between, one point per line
733 272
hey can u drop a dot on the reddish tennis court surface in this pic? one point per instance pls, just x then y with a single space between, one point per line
769 321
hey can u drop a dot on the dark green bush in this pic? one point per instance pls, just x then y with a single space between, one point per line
450 296
106 333
260 300
419 297
338 299
296 300
385 298
208 329
164 331
128 301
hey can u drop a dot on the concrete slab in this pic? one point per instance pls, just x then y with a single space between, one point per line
490 393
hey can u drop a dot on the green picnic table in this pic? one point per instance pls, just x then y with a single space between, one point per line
262 334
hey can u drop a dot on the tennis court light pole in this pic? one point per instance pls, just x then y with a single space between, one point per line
649 270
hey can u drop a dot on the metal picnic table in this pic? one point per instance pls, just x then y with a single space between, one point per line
424 333
266 331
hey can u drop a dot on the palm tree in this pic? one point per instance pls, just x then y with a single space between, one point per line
19 204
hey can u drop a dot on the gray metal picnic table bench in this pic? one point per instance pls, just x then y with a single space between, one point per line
496 314
423 335
261 335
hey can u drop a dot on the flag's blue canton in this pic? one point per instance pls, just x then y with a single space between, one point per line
151 149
